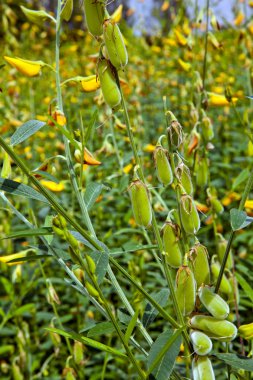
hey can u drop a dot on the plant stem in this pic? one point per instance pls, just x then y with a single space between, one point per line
206 41
154 223
232 233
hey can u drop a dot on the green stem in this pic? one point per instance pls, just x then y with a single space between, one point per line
65 139
206 41
232 233
154 223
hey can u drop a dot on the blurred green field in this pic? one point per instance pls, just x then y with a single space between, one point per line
166 66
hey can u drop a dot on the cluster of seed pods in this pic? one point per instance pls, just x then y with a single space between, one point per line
113 54
206 311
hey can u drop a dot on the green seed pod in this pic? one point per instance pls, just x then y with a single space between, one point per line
201 170
216 205
189 214
91 264
202 369
175 134
198 262
216 305
225 286
171 233
207 127
214 201
140 203
163 168
222 330
92 291
16 372
202 344
78 352
94 14
108 84
70 375
115 45
183 175
221 249
185 290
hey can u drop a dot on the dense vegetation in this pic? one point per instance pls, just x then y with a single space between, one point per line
88 286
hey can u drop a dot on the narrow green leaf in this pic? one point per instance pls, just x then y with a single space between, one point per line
67 10
30 258
163 354
91 126
27 233
150 311
24 309
37 17
236 361
92 192
239 219
6 349
101 260
131 326
101 329
26 130
245 285
17 188
242 177
87 341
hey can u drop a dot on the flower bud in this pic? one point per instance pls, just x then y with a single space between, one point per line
202 368
222 330
202 344
198 262
183 175
246 331
115 45
216 305
207 127
94 15
140 203
171 233
189 214
78 352
185 290
163 168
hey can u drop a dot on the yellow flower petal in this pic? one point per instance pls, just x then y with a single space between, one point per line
165 6
184 65
180 38
28 68
249 204
127 168
117 14
14 256
219 100
239 19
53 186
90 84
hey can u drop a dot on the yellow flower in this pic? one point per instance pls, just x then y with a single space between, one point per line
53 186
90 83
117 14
249 204
180 38
149 148
219 100
28 68
185 65
127 168
246 331
165 6
7 259
239 19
